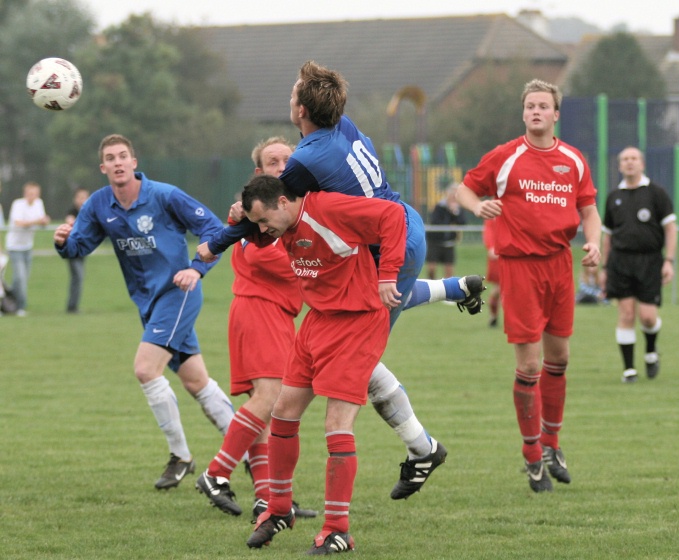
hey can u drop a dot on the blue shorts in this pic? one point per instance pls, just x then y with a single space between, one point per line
416 251
171 322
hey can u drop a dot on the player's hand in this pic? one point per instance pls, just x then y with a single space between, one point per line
667 272
204 254
236 213
593 255
488 209
61 234
389 295
186 279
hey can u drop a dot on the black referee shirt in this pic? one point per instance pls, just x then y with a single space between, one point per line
634 218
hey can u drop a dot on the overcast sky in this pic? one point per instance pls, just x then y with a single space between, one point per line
654 16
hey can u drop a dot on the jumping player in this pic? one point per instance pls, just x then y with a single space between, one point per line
335 156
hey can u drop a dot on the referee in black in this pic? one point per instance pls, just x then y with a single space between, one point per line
639 248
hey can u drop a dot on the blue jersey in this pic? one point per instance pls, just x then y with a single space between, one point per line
149 238
339 159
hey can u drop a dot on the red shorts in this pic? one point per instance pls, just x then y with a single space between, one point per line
336 354
261 336
538 295
493 271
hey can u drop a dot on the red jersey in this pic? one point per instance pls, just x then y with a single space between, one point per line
489 234
264 272
328 245
541 192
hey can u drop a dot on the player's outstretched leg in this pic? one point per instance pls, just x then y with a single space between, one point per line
473 287
465 291
415 472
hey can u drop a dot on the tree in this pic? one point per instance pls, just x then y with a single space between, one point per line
618 67
31 31
488 114
153 83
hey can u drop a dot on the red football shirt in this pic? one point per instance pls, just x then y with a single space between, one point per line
265 272
541 191
328 246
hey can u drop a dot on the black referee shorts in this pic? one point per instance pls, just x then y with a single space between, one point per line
635 275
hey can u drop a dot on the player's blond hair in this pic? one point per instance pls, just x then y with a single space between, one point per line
114 140
259 148
536 85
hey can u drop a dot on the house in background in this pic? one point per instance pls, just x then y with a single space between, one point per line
438 55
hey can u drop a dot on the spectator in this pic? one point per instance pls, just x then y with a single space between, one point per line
441 244
25 214
76 265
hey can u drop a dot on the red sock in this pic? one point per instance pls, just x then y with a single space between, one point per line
244 429
283 455
528 406
340 473
259 467
553 390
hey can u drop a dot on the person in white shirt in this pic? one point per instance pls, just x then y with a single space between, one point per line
25 215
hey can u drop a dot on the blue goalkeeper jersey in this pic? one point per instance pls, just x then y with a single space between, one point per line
340 159
149 239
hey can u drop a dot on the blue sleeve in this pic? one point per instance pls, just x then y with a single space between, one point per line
229 235
196 218
86 235
298 178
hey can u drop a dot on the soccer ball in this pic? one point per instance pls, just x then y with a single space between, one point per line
54 84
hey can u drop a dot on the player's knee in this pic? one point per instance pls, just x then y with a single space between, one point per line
382 384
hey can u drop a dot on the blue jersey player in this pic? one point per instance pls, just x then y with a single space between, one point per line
334 155
147 222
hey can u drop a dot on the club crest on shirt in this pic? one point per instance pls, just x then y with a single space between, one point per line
303 242
561 169
145 224
644 214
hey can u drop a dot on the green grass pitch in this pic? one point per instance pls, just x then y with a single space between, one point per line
81 450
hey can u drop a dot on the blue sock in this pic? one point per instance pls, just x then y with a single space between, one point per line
430 291
453 290
419 295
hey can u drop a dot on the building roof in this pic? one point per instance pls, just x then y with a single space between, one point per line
382 55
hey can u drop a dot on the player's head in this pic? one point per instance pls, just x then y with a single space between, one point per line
541 102
538 86
268 203
271 155
631 163
114 140
321 92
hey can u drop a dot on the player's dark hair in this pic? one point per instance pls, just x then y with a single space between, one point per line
267 189
323 92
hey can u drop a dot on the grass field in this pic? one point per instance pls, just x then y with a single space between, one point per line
81 450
